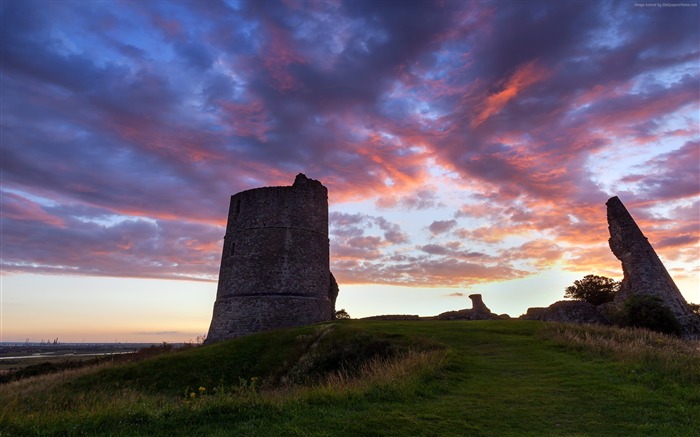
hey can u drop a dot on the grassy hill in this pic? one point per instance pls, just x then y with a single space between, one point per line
432 378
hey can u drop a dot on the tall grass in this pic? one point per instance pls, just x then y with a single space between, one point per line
39 405
637 348
396 377
53 404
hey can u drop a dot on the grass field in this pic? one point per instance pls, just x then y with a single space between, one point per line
376 378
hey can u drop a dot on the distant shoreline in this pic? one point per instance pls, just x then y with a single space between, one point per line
24 351
53 355
14 356
73 344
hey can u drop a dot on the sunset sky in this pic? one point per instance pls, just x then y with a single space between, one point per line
468 147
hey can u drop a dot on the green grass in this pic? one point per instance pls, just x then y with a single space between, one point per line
377 378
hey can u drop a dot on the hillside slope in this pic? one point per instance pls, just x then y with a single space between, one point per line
480 378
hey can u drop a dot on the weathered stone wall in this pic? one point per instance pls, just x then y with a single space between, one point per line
239 316
644 273
275 261
533 313
567 311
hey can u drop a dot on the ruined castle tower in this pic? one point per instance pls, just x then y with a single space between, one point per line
644 274
275 261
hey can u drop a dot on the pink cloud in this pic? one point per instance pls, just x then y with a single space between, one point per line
16 207
524 76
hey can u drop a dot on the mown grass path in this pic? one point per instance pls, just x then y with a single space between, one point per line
497 378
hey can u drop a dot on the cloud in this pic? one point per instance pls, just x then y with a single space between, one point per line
423 271
671 175
681 240
122 146
111 246
539 253
16 207
423 198
392 231
349 240
435 249
523 77
441 226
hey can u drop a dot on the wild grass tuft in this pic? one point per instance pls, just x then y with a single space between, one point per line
639 349
396 377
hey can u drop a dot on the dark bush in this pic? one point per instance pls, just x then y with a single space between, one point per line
651 313
341 315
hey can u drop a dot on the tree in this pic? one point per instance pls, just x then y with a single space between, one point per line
341 315
593 289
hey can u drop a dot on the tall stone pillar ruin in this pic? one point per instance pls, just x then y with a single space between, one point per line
275 261
644 273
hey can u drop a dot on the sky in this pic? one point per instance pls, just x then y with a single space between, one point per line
468 147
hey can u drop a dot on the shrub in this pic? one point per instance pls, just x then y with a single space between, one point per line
341 315
651 313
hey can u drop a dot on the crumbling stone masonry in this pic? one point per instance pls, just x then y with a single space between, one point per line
275 261
567 311
478 311
644 274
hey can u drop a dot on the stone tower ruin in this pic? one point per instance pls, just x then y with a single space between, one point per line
275 261
644 273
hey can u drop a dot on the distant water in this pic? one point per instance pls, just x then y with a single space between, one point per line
32 350
71 354
35 344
